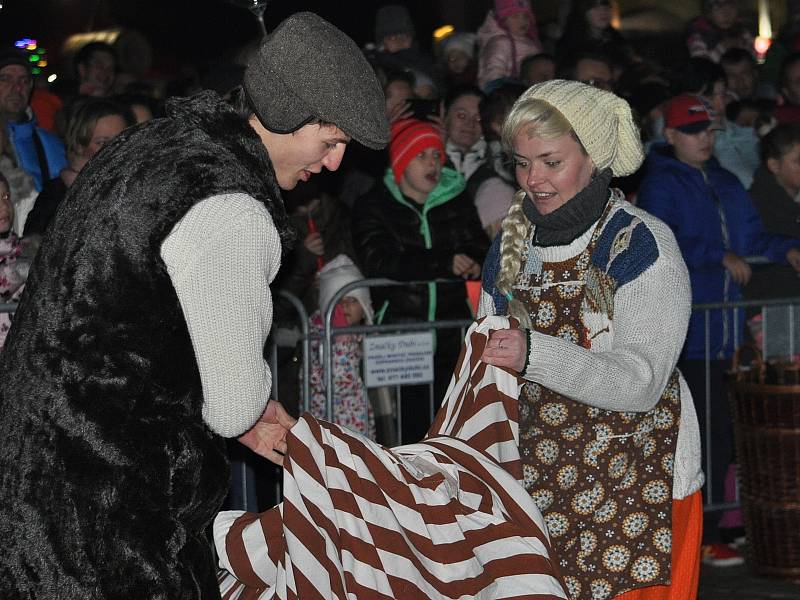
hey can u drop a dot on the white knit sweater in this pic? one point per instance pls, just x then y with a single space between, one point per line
221 258
628 366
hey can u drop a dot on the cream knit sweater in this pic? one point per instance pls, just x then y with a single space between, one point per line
221 258
628 365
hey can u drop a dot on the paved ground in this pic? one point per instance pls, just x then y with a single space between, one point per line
738 583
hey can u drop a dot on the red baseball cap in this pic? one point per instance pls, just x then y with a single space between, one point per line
688 114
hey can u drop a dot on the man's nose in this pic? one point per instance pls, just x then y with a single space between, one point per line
333 159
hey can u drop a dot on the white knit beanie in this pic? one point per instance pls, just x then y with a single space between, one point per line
602 121
334 276
460 40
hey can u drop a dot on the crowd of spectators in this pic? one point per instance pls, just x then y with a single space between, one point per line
723 170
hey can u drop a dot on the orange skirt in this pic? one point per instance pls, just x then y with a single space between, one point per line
687 533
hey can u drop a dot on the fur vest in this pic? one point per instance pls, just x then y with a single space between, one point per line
108 474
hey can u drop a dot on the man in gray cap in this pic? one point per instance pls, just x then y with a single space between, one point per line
137 346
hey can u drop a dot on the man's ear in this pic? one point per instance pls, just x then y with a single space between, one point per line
669 135
773 165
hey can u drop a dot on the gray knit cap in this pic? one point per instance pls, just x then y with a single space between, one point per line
392 19
12 56
602 121
308 69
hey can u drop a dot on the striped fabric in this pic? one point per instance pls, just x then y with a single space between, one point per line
445 518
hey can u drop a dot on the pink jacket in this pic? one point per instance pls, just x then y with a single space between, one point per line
497 57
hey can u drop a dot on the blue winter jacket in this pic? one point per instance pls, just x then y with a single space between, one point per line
690 204
21 135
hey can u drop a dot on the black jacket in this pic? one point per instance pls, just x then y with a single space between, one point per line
780 215
108 474
389 242
45 207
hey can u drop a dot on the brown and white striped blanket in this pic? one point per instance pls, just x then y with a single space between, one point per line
444 518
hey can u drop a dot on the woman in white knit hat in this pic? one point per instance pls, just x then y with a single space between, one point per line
608 432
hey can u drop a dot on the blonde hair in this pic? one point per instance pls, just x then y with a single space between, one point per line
540 119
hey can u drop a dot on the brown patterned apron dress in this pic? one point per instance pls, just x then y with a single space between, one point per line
602 479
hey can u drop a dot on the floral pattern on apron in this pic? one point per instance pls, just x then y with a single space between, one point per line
602 479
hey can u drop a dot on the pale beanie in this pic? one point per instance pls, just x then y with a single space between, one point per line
602 121
392 19
336 274
460 40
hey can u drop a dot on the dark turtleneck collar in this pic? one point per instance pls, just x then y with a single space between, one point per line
574 217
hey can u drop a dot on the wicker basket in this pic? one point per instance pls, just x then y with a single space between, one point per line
766 418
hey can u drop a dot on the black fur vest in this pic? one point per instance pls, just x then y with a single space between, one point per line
108 475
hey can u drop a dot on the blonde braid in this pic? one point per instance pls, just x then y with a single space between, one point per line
536 118
515 231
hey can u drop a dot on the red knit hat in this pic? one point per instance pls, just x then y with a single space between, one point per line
409 138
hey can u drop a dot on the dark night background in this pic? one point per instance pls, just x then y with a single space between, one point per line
202 30
194 32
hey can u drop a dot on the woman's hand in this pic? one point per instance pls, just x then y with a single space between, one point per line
267 437
506 348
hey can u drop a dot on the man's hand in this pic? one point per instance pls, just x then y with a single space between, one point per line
267 437
740 270
793 258
464 266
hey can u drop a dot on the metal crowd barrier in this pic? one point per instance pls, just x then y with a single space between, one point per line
305 342
779 318
242 493
369 330
778 338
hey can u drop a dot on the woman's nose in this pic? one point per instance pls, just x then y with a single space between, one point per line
534 176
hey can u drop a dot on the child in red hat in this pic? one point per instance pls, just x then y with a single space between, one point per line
420 224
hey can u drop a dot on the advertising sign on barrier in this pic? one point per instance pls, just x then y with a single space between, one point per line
400 359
